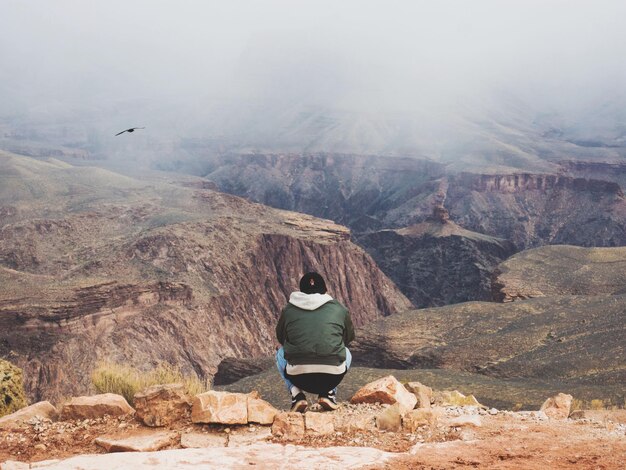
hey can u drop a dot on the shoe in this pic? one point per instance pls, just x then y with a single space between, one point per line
299 403
328 401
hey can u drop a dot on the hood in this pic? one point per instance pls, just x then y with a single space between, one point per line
308 301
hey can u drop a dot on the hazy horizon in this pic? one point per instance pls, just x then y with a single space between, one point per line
387 77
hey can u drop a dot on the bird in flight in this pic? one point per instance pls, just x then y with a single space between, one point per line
132 129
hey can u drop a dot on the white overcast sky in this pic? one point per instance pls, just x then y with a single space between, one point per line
398 53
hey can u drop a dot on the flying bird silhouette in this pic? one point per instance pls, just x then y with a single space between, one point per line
132 129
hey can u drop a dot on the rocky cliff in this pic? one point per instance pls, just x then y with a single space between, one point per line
436 262
532 210
159 272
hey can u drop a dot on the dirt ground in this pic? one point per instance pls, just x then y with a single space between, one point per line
505 440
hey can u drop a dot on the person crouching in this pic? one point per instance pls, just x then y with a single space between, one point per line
313 330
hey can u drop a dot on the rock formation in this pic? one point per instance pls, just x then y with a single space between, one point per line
436 262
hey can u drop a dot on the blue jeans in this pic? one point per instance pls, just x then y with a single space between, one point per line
281 365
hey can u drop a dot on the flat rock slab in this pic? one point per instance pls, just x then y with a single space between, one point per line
201 440
246 438
140 442
256 456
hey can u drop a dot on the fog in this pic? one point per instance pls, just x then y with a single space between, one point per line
409 77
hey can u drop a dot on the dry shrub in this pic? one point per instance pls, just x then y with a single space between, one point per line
12 396
110 377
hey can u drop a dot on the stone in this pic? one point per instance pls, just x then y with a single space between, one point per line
465 421
96 406
42 409
390 419
558 406
139 442
200 440
260 411
417 418
161 405
319 423
385 390
220 407
423 394
14 465
288 426
361 422
455 398
240 439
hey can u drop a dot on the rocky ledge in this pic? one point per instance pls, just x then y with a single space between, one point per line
386 423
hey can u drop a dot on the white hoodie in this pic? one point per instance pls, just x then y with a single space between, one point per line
308 301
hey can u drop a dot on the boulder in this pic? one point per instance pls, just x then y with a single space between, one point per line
390 419
260 411
161 405
96 406
319 423
139 442
200 440
417 418
455 398
423 394
288 426
385 390
558 406
220 407
42 409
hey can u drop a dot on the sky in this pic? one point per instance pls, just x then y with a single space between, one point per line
230 64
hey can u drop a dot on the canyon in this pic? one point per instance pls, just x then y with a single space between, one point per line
96 266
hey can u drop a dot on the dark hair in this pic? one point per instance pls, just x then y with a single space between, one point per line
312 283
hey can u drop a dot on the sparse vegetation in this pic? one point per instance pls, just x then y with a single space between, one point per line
596 404
12 396
110 377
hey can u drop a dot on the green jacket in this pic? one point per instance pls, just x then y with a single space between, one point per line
314 329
